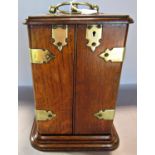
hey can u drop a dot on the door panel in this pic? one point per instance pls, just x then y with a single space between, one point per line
97 81
53 82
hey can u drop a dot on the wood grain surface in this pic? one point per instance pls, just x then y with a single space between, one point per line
74 143
53 82
97 81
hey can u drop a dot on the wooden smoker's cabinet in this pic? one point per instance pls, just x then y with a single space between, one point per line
76 67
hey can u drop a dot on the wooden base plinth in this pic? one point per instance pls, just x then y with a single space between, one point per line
73 143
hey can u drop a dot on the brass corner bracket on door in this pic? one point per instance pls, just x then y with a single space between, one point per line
40 56
113 55
107 114
43 115
60 35
93 35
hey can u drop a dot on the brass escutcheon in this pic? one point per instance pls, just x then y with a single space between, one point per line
60 35
93 35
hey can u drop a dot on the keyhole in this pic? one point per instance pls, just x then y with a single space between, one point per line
94 33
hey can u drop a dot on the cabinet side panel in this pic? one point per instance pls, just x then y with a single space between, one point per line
97 81
53 82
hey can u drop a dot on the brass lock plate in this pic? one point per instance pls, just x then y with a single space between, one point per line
93 35
43 115
107 114
113 55
60 35
40 56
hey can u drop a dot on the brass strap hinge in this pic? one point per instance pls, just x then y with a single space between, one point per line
43 115
40 56
107 114
113 55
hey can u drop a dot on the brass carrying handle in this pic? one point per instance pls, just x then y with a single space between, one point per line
74 7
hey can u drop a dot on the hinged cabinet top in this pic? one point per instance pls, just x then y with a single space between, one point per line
78 19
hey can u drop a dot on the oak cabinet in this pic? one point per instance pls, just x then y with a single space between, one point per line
76 67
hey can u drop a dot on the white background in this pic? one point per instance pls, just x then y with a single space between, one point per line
33 7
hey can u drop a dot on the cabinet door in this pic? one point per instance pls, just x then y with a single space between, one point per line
97 81
53 81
